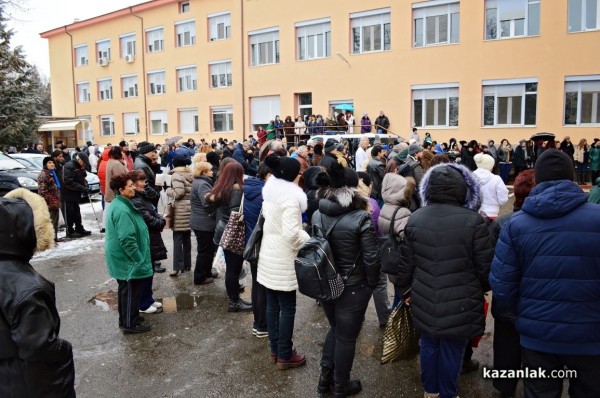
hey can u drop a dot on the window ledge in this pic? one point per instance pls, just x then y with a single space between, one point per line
435 45
215 40
156 51
438 127
259 66
511 38
588 125
220 87
312 59
584 31
371 52
510 126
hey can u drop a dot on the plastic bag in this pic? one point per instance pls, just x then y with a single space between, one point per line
219 261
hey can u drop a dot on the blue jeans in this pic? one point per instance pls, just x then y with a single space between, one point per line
146 298
281 311
441 363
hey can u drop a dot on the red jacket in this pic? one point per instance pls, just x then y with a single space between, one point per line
102 170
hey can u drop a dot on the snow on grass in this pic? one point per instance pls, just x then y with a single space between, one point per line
69 248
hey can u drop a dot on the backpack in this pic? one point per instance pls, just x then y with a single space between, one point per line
391 250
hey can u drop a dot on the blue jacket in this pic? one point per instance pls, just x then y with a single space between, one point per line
546 270
252 202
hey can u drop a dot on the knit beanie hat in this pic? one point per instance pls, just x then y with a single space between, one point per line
553 165
330 145
414 148
283 167
181 161
402 155
46 160
484 161
146 147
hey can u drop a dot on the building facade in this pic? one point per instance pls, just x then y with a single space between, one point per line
221 68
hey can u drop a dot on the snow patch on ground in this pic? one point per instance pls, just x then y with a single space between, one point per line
69 248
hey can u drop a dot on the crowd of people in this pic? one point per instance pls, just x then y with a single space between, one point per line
441 201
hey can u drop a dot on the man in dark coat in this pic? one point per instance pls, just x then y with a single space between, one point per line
74 185
546 271
329 159
146 162
245 156
567 147
34 360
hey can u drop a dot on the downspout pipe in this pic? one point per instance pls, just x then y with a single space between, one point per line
143 41
243 66
72 77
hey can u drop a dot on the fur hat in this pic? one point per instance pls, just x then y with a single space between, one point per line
553 165
484 161
283 167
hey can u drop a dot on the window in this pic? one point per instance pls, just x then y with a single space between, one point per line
219 26
510 102
185 33
220 74
188 121
304 104
584 15
436 24
83 92
156 82
81 55
158 122
582 100
129 85
131 123
186 78
264 47
155 39
314 39
511 18
107 125
435 105
371 31
184 6
264 109
103 50
222 118
105 91
127 45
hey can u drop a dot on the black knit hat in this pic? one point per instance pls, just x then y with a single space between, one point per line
146 147
330 145
283 167
46 160
553 165
181 161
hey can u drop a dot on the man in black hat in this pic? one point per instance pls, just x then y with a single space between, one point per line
147 161
74 186
546 275
330 158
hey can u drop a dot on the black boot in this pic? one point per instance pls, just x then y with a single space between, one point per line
238 306
325 380
345 390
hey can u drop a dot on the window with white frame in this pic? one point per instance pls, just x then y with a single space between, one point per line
87 129
220 74
304 101
222 118
186 78
584 15
188 121
314 39
156 82
83 92
371 31
435 23
511 18
105 91
264 47
184 6
155 38
582 100
81 55
219 26
435 105
127 45
131 123
103 50
107 125
511 102
158 122
185 33
129 85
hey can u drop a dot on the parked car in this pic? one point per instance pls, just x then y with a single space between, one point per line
33 162
14 175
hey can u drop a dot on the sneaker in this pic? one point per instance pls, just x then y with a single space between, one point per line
150 310
157 304
261 334
141 328
296 361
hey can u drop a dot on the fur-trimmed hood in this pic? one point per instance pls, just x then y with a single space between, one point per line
450 183
278 190
335 201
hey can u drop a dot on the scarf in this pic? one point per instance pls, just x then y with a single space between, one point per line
55 178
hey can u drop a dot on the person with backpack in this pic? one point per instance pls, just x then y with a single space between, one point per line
376 170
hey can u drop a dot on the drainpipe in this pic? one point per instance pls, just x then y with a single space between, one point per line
72 82
143 70
243 65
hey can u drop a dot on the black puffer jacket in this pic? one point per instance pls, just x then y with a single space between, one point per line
155 224
353 238
203 214
450 250
224 210
310 189
74 183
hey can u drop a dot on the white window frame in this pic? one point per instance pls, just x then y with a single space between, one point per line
492 10
264 47
431 94
103 49
83 92
155 39
188 120
228 121
429 12
582 19
185 33
220 74
156 116
129 85
219 26
499 89
186 78
313 35
184 7
156 82
105 89
108 121
361 21
131 123
127 44
588 84
81 55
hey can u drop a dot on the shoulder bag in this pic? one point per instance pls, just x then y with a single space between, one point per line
234 235
391 249
252 249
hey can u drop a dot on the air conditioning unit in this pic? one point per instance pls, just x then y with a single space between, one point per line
103 61
129 58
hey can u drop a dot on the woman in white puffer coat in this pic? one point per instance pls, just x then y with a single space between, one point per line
492 189
283 236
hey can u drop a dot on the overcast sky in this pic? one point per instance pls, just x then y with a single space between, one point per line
42 15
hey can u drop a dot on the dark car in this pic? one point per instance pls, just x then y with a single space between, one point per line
14 175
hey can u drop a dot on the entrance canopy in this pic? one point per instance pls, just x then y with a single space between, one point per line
60 125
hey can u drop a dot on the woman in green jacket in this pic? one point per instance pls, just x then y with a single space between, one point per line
127 250
271 131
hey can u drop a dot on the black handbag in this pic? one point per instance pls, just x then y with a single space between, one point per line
391 250
252 249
